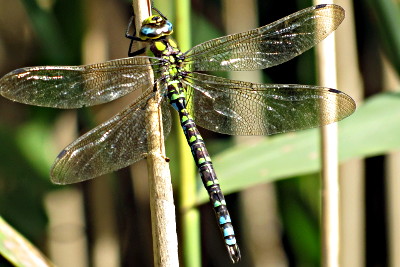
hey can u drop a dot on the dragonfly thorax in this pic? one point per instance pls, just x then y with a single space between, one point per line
166 49
155 27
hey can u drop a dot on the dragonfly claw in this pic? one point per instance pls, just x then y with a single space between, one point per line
234 253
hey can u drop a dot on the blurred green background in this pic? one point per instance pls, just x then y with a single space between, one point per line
272 183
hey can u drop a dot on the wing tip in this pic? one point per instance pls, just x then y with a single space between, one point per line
334 7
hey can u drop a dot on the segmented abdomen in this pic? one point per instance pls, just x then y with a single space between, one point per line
200 154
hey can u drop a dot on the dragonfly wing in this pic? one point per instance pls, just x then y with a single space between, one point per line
115 144
269 45
77 86
244 108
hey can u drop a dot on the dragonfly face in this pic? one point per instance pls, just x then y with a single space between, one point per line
218 104
155 27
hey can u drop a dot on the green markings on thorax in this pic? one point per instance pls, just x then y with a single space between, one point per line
160 46
167 49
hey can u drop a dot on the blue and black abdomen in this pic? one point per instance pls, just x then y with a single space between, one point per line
176 96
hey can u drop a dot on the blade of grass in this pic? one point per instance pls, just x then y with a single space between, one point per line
19 251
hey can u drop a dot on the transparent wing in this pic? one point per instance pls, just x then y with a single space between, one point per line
269 45
78 86
243 108
115 144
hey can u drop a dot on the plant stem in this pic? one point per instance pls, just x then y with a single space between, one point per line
165 241
191 238
326 57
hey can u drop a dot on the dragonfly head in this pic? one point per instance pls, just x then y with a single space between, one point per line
155 27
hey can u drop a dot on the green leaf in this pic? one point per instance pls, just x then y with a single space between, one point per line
19 251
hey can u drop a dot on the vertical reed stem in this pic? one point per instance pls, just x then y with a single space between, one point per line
191 239
326 57
165 241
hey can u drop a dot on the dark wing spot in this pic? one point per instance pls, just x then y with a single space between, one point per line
62 154
320 6
335 91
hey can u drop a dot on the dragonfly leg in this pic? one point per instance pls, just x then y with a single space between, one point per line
133 38
127 34
135 53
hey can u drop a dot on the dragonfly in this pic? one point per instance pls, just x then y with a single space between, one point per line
218 104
